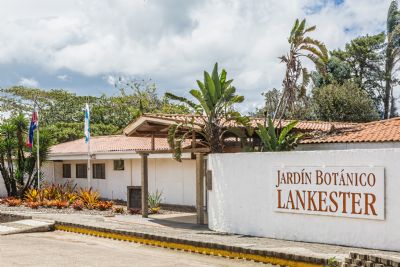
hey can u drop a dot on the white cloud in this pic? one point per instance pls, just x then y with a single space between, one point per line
28 82
174 41
63 77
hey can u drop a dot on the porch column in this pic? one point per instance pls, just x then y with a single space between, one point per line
145 184
200 187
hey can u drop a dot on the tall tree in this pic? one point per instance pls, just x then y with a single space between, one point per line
365 58
337 71
300 46
215 98
392 58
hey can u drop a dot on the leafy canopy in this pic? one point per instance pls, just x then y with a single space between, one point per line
214 102
346 102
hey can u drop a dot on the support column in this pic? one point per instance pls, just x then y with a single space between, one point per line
145 184
200 187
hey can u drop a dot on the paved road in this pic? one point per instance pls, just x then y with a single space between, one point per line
69 249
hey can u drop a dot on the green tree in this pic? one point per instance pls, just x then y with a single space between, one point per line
215 98
17 163
61 111
392 58
300 46
302 109
364 56
337 71
346 102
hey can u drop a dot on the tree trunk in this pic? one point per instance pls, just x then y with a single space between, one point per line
388 83
216 145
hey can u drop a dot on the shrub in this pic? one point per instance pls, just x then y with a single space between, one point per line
70 197
32 195
47 203
13 202
33 204
90 198
60 204
119 210
135 211
104 205
154 201
78 205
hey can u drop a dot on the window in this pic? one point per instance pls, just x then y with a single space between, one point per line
99 171
66 170
119 165
81 170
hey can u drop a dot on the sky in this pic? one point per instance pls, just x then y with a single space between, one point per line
81 45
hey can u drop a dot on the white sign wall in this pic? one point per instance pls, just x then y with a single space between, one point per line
343 197
357 192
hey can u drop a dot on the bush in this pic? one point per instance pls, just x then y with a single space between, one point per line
135 211
14 202
60 204
33 195
78 205
119 210
90 198
154 201
346 102
104 205
33 204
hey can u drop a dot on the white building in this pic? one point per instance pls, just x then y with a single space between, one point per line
115 165
116 160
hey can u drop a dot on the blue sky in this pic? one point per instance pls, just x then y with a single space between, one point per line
80 45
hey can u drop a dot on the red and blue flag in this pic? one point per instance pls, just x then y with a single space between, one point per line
32 127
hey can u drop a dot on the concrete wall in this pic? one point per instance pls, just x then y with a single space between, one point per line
176 180
241 199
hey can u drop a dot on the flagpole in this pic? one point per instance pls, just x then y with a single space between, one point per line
87 136
37 151
88 169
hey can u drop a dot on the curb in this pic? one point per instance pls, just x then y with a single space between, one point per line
10 217
264 256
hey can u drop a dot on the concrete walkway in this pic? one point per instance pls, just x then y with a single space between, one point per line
26 226
179 227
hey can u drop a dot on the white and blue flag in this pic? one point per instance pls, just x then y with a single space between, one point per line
87 124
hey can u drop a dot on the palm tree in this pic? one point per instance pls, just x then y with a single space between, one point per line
300 46
17 163
215 98
392 57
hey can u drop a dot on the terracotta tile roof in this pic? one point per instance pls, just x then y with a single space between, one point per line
112 143
324 132
376 131
302 125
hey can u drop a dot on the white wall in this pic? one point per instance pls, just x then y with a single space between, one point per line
241 199
176 180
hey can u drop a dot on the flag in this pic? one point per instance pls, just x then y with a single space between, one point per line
87 124
32 127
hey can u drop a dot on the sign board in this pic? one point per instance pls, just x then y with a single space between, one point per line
357 192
